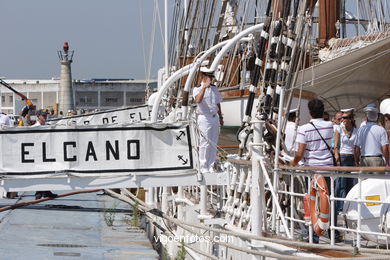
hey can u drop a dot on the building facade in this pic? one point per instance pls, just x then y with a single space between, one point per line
94 94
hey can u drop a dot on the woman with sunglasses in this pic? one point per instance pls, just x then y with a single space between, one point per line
344 153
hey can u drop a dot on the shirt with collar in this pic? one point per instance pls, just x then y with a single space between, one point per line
370 138
211 99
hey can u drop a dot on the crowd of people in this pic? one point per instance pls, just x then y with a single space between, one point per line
340 142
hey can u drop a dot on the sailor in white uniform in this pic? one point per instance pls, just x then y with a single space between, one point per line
210 119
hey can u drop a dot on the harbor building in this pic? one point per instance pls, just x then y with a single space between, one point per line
88 95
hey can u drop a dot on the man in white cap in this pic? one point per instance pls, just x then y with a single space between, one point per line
371 144
210 119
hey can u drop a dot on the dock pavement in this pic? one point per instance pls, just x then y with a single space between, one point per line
73 227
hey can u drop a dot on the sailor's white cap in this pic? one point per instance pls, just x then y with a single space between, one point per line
206 71
347 110
293 110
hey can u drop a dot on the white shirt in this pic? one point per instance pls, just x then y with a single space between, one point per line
211 99
289 140
4 120
317 152
347 143
370 138
37 123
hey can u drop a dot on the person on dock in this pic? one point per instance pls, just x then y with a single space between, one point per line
41 120
371 144
210 119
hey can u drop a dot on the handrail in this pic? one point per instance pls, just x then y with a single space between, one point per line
337 168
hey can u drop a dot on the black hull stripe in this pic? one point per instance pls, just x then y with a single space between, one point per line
99 171
104 129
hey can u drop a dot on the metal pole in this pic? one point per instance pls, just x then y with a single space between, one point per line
359 209
332 209
164 200
203 200
257 179
166 38
292 199
180 209
277 151
358 17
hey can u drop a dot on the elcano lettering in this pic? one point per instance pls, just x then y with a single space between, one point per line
30 152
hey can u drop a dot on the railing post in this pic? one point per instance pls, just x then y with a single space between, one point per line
277 152
203 200
164 199
180 210
292 199
257 190
359 209
310 224
149 197
332 210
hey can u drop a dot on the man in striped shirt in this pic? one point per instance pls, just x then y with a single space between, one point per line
314 141
312 136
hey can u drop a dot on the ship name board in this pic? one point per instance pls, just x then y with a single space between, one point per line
132 148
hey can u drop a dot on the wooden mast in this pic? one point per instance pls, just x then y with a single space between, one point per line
329 14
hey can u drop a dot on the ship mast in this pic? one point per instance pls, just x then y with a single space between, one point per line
329 15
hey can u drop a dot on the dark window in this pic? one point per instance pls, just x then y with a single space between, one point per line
111 100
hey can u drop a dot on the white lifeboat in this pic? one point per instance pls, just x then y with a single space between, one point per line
375 217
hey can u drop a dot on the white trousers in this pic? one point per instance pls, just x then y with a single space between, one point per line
209 127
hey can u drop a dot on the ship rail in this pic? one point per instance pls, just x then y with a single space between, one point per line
236 202
358 173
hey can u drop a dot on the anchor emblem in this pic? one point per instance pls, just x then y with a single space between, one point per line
183 160
182 133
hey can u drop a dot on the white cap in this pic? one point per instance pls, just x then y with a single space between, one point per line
371 108
347 110
206 71
293 110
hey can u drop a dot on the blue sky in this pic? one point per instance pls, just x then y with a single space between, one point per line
105 35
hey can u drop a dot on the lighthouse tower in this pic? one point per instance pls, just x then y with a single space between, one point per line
65 94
